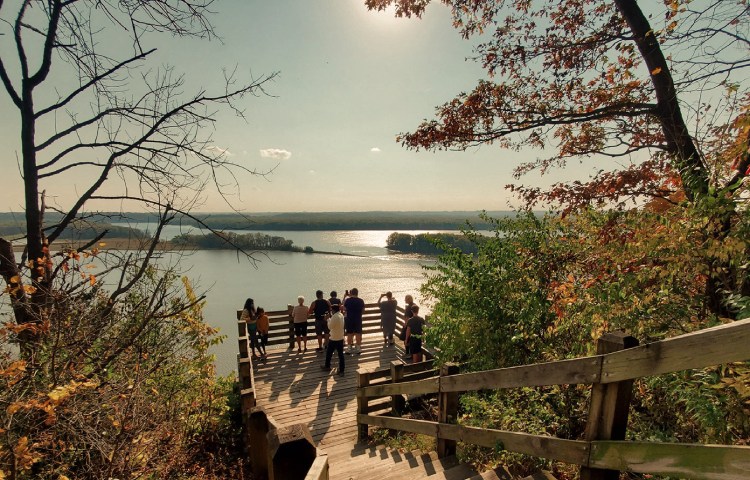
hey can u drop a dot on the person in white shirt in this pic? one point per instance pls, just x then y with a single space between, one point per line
335 339
299 314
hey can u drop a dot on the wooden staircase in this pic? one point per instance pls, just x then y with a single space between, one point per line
363 462
320 415
292 389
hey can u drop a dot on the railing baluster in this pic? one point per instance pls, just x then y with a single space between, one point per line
397 375
447 412
363 380
608 412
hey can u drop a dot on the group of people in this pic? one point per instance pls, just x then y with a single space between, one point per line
337 319
334 320
257 327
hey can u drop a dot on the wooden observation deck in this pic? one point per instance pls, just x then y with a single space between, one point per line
311 424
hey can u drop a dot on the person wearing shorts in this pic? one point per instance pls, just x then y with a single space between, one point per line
299 315
320 308
262 327
387 316
354 307
414 332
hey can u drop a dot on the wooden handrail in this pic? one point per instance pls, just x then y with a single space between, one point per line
601 458
673 459
280 324
725 345
263 438
711 346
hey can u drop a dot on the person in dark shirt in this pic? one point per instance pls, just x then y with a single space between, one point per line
387 316
414 332
321 308
409 302
334 300
353 309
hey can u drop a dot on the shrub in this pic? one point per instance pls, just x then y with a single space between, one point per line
118 390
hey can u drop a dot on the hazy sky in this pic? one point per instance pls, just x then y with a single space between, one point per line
350 80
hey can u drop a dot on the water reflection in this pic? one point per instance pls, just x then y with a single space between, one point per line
275 279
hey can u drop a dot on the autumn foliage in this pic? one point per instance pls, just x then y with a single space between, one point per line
653 85
104 364
129 394
653 95
545 288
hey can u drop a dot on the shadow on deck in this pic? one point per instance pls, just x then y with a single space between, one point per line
293 389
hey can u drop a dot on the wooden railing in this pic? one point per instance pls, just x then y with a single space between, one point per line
275 452
604 453
281 324
289 452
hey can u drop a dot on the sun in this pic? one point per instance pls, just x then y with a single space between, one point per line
385 17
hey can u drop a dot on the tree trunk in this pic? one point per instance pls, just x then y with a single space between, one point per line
694 174
695 177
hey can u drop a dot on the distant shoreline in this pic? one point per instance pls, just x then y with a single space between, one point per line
290 221
163 246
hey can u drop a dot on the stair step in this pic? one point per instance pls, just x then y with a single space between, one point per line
380 454
541 475
497 473
380 460
436 467
426 465
459 472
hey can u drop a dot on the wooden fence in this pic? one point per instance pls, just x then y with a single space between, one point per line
281 324
275 452
289 452
603 453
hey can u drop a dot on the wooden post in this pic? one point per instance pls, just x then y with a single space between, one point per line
291 452
247 399
447 412
257 426
242 338
397 375
245 373
610 402
363 380
289 309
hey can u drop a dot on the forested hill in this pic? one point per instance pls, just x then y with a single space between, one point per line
375 220
350 220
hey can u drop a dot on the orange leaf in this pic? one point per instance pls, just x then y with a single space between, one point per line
656 71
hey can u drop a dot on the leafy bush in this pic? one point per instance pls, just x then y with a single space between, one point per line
119 390
543 289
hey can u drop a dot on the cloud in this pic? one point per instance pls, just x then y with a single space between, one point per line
375 150
217 150
275 153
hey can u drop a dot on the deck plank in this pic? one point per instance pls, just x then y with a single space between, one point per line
293 389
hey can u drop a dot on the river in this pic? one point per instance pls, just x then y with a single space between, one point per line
277 278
